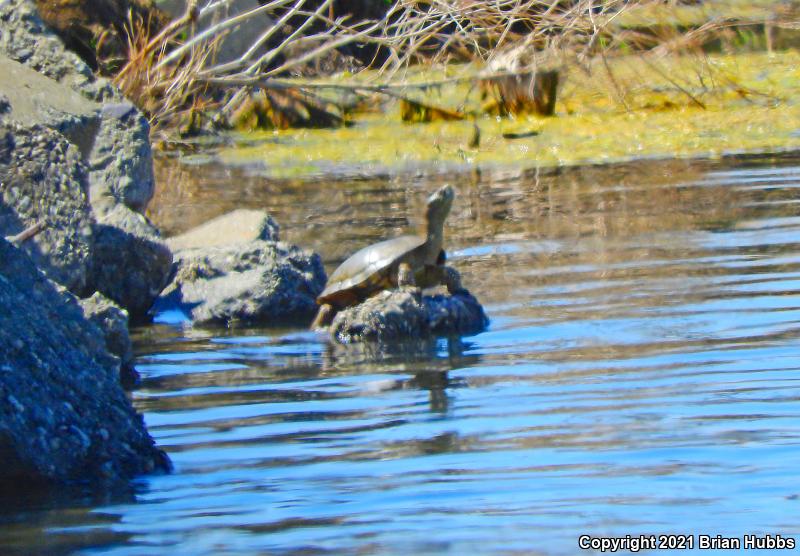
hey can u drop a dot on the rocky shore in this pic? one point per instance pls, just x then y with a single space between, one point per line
75 167
80 259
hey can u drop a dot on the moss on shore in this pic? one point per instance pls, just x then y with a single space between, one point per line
684 107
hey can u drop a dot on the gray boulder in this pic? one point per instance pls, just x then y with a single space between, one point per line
130 262
42 179
121 161
238 226
25 38
112 134
34 98
404 314
63 415
262 282
112 321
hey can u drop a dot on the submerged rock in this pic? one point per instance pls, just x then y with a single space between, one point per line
63 415
405 314
263 282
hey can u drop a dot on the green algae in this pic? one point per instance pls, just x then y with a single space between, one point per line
688 15
681 107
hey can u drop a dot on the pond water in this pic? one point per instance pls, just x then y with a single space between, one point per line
641 375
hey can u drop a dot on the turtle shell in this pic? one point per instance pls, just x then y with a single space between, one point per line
368 270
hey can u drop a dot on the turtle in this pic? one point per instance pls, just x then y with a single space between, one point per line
404 261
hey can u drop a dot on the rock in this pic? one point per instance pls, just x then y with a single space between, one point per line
42 178
121 162
404 314
36 99
258 282
26 39
112 320
388 315
113 137
459 314
238 226
130 263
64 417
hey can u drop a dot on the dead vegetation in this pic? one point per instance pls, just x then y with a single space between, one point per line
517 52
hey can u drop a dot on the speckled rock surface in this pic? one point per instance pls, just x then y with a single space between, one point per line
459 314
261 282
112 321
117 148
130 262
405 314
42 178
121 162
26 39
63 415
36 99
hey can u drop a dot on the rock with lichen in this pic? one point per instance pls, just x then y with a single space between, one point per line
42 180
112 320
64 417
405 314
258 282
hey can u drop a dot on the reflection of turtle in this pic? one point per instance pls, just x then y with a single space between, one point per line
403 261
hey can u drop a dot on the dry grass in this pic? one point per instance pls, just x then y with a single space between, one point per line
176 79
170 94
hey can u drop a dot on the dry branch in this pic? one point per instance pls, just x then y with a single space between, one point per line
176 73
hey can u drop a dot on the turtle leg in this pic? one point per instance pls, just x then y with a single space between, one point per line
451 279
324 316
405 276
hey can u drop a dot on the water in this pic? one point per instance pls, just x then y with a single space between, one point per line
640 376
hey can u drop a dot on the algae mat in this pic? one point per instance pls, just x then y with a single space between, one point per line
705 107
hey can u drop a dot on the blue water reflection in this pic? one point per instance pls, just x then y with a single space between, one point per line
640 376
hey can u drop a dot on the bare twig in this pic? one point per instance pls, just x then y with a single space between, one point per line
501 38
27 233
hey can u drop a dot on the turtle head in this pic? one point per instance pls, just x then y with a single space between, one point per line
439 204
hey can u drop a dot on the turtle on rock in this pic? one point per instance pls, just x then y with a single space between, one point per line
409 260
